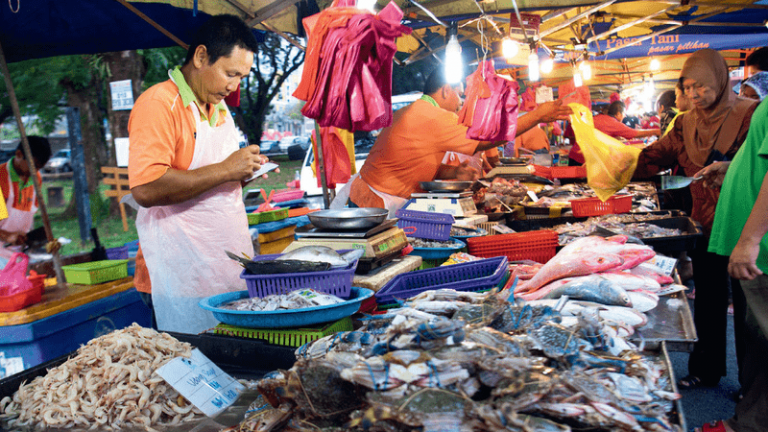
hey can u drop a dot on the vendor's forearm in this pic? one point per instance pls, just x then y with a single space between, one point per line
648 132
526 122
487 145
757 224
177 186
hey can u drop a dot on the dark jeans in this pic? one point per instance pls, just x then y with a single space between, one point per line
710 315
147 299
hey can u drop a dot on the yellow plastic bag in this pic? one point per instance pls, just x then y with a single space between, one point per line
610 164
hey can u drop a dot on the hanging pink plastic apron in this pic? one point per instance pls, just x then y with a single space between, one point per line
184 244
17 221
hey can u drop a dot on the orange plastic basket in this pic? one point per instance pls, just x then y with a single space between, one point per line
539 246
586 207
569 172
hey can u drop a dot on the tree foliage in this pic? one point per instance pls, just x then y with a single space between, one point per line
273 64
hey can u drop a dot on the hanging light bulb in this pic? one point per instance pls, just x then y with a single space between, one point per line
533 65
547 65
454 65
509 48
577 81
367 5
586 70
655 64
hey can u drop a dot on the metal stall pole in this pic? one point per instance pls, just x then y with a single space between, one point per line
321 167
32 168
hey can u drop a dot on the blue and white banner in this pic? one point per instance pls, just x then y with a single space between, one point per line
669 44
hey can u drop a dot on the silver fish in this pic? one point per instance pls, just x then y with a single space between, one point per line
593 288
322 254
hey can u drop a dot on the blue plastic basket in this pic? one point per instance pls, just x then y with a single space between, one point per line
439 252
428 225
282 318
337 282
472 276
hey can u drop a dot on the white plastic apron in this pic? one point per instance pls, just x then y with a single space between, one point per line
17 221
392 203
184 244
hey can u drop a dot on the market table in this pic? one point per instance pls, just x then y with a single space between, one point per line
68 315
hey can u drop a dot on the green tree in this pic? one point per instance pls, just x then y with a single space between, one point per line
273 64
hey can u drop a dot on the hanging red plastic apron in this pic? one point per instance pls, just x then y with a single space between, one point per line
17 221
184 244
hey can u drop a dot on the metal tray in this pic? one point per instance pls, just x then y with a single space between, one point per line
446 185
312 231
348 219
661 352
673 326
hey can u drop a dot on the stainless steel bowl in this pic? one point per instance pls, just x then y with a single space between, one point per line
445 185
348 219
514 160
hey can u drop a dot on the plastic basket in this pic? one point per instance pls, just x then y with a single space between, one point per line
586 207
291 337
287 195
542 171
569 172
488 226
539 246
471 276
337 282
117 253
428 225
428 264
96 272
18 301
440 253
267 216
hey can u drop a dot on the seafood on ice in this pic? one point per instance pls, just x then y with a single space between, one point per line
301 298
111 383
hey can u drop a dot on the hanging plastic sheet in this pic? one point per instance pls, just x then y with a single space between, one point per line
490 108
528 100
569 93
338 155
347 78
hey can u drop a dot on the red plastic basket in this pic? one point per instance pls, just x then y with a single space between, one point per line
287 195
539 246
542 171
586 207
19 301
569 172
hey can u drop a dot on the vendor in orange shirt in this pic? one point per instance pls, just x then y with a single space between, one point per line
611 125
412 148
535 140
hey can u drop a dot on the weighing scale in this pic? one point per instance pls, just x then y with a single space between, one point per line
452 203
380 242
509 170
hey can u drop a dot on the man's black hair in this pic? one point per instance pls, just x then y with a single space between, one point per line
220 35
759 59
435 81
40 147
666 99
615 108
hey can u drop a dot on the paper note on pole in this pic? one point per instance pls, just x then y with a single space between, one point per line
121 151
265 168
544 94
122 95
202 382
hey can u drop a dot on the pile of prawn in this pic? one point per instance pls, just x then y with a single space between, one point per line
111 383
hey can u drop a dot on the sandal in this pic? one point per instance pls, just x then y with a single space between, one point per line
692 381
715 426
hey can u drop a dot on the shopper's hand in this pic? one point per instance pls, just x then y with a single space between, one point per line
466 172
551 111
713 175
743 262
241 164
15 238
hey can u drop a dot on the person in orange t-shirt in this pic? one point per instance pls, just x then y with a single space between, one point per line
412 148
21 201
534 139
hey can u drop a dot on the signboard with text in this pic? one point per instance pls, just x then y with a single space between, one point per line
122 95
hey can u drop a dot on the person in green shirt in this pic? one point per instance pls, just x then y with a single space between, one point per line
739 231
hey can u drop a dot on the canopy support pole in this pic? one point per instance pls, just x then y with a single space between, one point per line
31 164
153 23
321 166
605 34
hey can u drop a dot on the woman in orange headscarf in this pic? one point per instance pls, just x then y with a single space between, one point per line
713 130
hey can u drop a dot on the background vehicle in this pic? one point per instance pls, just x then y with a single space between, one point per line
267 146
59 162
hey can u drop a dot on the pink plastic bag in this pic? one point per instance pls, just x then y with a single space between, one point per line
13 278
491 108
528 100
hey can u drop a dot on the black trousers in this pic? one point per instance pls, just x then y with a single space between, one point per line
710 315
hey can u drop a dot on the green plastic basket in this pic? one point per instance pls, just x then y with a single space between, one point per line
294 337
96 272
267 216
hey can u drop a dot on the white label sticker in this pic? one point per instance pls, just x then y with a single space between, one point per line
667 264
503 229
544 94
202 382
10 365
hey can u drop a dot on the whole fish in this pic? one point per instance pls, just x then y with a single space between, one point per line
631 282
634 255
643 301
653 272
322 254
592 288
566 265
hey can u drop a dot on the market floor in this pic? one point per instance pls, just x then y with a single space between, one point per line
710 403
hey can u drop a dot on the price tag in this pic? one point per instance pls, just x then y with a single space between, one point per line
265 168
544 94
665 263
503 229
122 95
202 382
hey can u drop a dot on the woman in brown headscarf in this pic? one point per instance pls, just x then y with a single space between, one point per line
713 130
